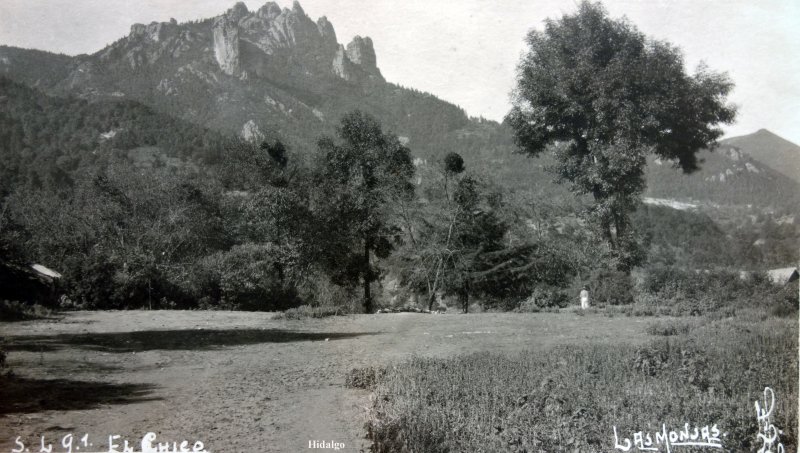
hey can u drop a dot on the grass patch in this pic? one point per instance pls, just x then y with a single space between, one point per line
568 399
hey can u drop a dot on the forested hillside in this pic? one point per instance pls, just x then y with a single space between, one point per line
46 140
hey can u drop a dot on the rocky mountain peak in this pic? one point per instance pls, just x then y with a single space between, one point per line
155 31
280 35
361 52
326 29
238 11
269 11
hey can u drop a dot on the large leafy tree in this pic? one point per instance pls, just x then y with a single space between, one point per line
602 96
267 207
358 183
462 245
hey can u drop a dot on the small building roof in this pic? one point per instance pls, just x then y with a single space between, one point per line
783 275
45 271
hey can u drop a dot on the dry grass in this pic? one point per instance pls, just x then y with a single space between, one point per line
569 398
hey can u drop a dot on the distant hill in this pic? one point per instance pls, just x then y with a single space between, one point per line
776 152
727 176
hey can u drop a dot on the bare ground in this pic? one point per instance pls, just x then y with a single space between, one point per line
238 381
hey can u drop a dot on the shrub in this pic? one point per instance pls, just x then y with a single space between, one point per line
669 328
307 311
669 282
609 287
251 277
651 360
364 378
681 292
317 290
546 297
784 302
19 311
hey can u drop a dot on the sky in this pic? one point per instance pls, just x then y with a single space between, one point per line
466 51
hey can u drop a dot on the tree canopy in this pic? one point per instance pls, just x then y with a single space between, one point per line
358 182
601 95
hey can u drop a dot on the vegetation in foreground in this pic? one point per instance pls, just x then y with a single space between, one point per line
571 398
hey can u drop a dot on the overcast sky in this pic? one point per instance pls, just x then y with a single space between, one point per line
466 51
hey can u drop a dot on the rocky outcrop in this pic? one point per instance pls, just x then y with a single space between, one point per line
155 31
273 29
270 39
237 12
227 49
269 11
328 34
272 42
361 52
342 66
251 132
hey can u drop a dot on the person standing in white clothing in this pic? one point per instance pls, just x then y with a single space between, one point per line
584 298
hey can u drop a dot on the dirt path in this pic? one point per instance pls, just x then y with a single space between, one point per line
239 381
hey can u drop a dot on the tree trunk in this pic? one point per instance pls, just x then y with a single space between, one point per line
432 291
432 295
367 279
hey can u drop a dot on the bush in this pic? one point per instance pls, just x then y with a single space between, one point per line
255 277
669 328
680 292
784 302
545 297
364 378
19 311
609 287
317 290
307 311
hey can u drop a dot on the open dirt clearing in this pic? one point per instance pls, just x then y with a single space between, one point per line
240 382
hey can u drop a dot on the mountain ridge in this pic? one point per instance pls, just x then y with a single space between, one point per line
274 71
773 150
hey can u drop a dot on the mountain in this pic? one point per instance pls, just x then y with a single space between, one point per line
269 73
776 152
727 176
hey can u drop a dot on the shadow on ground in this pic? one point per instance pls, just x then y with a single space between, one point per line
23 395
148 340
